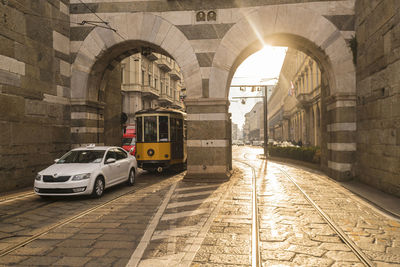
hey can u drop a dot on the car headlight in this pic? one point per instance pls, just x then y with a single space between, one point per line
38 177
82 176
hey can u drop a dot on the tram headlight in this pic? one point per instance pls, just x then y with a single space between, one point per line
38 177
150 152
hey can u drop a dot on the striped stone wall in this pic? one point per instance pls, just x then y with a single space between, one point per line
208 144
341 130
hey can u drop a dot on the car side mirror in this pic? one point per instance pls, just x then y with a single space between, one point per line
110 160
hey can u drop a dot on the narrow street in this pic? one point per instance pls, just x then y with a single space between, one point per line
166 221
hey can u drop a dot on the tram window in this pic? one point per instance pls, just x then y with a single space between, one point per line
179 129
163 128
173 129
150 129
139 129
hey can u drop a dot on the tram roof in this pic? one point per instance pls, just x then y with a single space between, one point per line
160 110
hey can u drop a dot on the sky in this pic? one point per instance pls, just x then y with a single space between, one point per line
264 64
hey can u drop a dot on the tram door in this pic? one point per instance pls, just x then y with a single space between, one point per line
176 128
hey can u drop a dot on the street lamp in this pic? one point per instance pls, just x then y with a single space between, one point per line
265 103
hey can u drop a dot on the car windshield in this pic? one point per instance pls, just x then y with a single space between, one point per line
128 141
82 156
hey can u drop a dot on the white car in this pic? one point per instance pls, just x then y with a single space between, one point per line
87 170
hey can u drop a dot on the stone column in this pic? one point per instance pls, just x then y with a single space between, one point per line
341 129
208 139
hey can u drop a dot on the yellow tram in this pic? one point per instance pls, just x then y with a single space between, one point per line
161 139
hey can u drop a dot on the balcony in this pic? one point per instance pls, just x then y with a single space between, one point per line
165 99
178 104
304 99
175 75
131 87
151 56
164 64
150 91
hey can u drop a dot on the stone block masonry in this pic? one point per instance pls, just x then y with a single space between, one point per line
378 94
34 89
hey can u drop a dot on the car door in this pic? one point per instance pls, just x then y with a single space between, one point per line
122 159
111 170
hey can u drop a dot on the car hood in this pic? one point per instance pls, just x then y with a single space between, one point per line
70 169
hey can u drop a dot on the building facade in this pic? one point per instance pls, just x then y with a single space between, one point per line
294 106
150 80
254 123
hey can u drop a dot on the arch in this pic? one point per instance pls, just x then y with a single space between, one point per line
285 26
102 49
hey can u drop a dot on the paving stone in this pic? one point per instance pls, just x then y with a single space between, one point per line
76 243
39 260
342 256
69 252
305 260
12 259
277 255
72 261
98 252
120 253
313 251
114 244
100 262
229 259
31 250
334 246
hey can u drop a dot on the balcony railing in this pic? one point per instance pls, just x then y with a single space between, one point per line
304 99
151 57
148 90
165 98
174 74
164 64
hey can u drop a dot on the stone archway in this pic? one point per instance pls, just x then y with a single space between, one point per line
103 49
300 28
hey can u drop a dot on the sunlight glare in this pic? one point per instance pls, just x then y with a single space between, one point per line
264 64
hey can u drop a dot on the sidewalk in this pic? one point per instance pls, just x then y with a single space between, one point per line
385 202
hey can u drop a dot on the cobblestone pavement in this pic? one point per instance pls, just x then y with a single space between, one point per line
171 222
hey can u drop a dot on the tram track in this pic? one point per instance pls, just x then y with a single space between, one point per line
336 228
255 231
256 257
72 218
6 199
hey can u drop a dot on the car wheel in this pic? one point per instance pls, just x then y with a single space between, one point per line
131 177
98 187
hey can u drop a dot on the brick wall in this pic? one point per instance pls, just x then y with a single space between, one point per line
378 93
34 88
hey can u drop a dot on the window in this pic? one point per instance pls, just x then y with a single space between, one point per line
120 154
110 155
150 129
172 122
163 128
82 156
142 77
139 129
149 79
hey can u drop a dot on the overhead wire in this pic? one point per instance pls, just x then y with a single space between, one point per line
105 22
